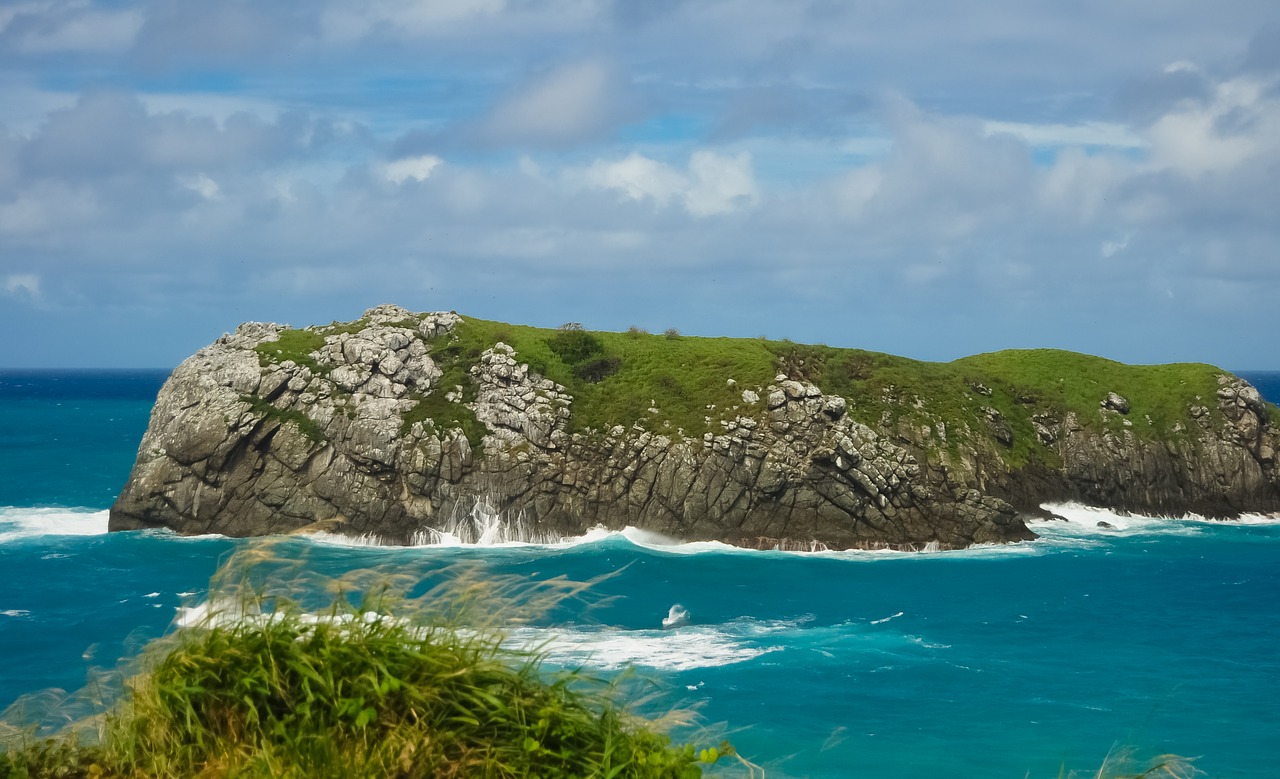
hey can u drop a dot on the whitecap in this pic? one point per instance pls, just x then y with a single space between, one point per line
650 541
172 535
886 619
483 528
923 642
677 616
522 537
17 523
759 628
665 650
1082 522
610 648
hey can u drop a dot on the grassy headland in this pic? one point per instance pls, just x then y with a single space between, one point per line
683 385
374 684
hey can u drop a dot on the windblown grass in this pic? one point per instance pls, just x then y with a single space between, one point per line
289 672
392 678
1123 764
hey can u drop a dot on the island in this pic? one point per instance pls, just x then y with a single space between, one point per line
406 428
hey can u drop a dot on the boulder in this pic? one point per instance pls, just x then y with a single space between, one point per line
1115 402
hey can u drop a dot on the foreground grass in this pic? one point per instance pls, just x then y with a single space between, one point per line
291 673
1122 764
378 685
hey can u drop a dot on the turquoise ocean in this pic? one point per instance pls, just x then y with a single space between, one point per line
1015 661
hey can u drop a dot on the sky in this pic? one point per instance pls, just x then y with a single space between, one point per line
931 179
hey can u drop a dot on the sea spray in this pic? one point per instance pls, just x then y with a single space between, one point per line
37 523
677 616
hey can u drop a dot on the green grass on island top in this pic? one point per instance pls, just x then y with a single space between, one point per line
682 385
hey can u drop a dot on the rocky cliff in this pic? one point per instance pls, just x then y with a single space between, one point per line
407 427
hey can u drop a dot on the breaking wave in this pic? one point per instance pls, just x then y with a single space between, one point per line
1074 526
1077 526
17 524
1083 523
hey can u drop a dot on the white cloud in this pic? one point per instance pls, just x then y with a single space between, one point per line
89 32
219 107
638 177
26 106
902 208
713 183
1108 134
1240 125
23 285
69 26
202 185
571 103
720 183
44 209
1078 184
352 19
1110 249
113 132
855 190
416 168
1182 66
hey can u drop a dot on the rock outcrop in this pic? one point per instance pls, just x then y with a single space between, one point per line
1220 464
383 428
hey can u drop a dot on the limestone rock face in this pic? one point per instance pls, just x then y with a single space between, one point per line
357 431
1115 402
1216 470
518 406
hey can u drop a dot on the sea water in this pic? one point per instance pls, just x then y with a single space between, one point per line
1010 661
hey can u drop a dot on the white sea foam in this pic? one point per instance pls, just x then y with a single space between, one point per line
711 646
605 647
165 532
521 538
609 648
214 613
1088 522
677 617
17 524
483 528
886 619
